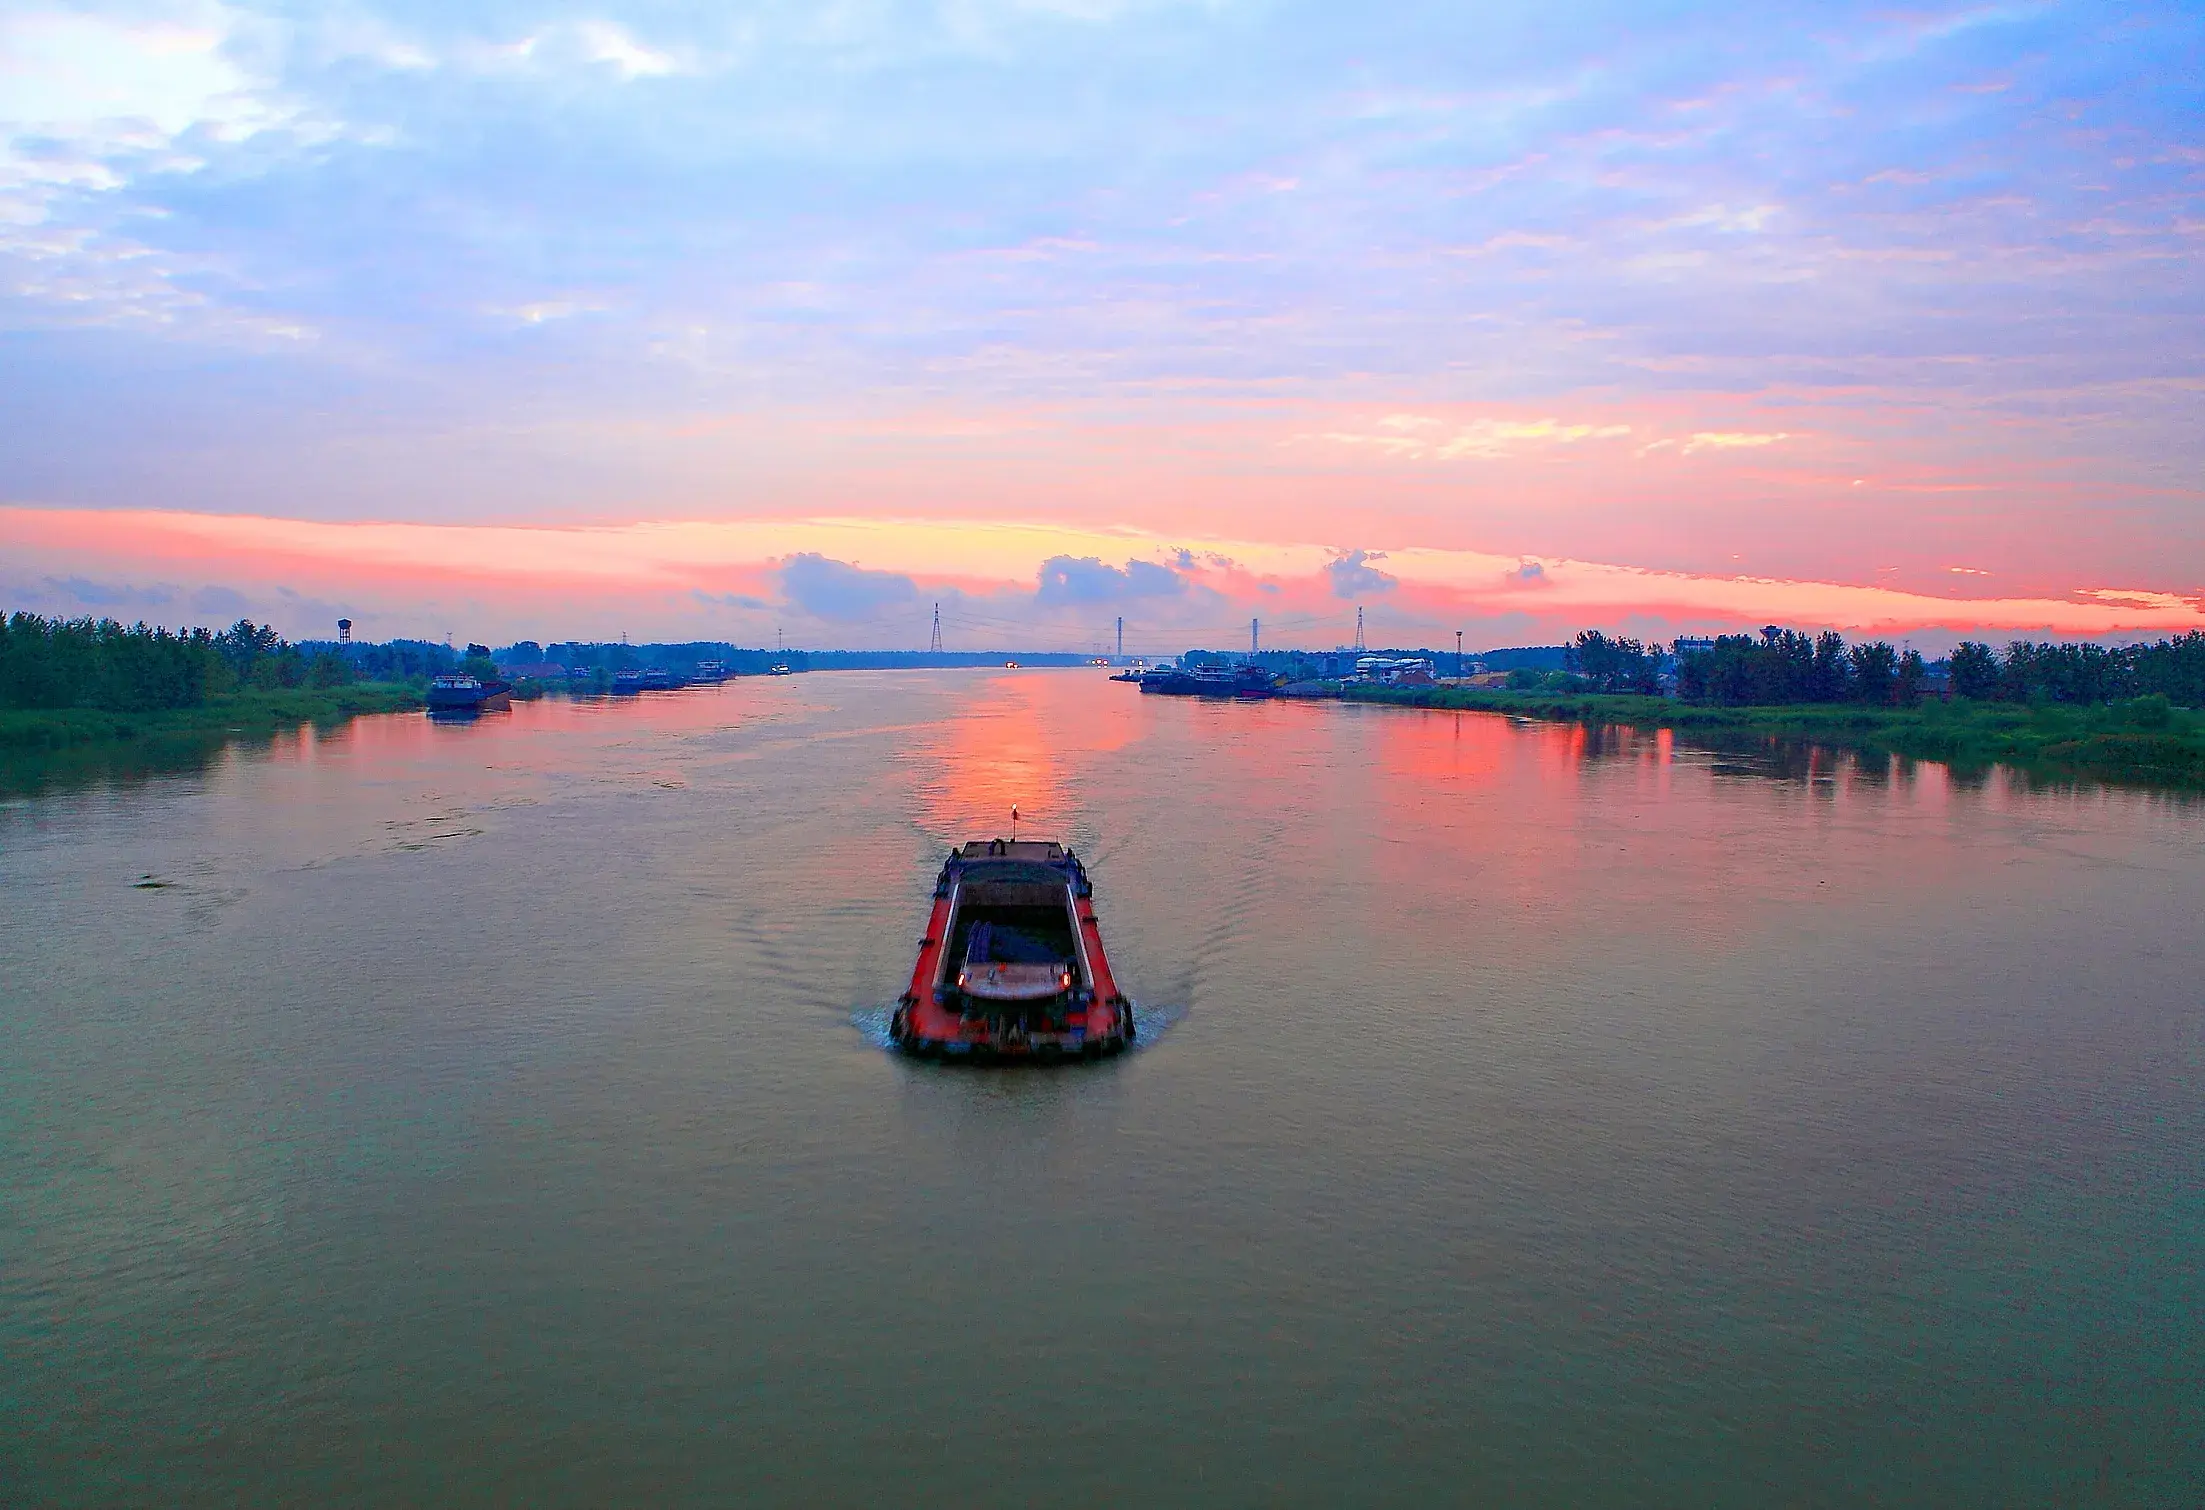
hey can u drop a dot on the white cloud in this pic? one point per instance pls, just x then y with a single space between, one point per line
603 42
1751 219
1492 437
566 46
87 104
1404 435
546 310
71 75
1731 440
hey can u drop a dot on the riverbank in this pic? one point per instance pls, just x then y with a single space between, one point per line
33 731
2143 742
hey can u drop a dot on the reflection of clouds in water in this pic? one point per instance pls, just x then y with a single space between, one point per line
1150 1024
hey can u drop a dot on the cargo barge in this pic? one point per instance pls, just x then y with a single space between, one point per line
455 692
1012 965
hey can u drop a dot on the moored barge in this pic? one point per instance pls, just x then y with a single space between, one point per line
1012 964
455 692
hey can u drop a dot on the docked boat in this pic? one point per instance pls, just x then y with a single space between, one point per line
659 679
710 671
1234 681
1212 681
626 682
458 692
1012 965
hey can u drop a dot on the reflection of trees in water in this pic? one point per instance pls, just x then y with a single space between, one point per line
1747 753
1614 741
124 764
1751 755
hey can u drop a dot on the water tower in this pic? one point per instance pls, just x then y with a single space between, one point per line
344 631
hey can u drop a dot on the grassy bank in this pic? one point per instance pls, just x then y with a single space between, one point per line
37 730
2144 742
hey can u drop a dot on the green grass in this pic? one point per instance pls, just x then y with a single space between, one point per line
2143 742
45 730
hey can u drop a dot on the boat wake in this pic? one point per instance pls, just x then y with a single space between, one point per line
1150 1023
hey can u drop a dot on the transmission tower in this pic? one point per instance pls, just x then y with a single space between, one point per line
1121 636
934 646
1358 628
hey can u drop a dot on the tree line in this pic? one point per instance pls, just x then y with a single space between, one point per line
2025 672
1785 666
99 663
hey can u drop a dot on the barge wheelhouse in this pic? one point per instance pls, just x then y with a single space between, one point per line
1012 965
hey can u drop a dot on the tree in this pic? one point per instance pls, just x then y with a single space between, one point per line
1875 672
2173 669
1974 670
1908 690
1618 665
244 643
1832 674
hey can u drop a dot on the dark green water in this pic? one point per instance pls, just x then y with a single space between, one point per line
495 1114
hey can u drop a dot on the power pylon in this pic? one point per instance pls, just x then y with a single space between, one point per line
934 646
1121 636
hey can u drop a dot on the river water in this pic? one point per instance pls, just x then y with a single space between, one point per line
497 1113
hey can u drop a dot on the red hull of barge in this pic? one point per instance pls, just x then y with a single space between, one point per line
966 1003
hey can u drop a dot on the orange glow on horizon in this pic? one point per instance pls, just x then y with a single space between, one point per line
641 568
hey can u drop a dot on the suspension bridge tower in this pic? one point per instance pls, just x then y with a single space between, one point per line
1358 629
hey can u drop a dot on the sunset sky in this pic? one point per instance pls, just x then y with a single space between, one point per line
512 319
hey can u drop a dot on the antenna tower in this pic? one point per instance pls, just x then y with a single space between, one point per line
1358 627
934 646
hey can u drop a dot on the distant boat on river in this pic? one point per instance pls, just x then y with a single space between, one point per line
458 692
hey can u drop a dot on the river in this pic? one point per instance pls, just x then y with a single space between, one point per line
498 1113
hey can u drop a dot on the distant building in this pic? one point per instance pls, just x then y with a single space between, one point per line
1693 645
1403 671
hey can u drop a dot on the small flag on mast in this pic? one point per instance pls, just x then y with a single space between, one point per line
1014 823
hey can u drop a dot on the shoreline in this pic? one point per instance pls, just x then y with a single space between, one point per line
34 732
2144 743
